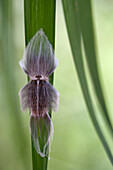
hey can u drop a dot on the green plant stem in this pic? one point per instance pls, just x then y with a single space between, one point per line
40 14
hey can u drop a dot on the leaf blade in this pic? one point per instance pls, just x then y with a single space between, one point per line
87 30
73 28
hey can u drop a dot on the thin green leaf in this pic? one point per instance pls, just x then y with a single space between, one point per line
87 30
73 27
39 14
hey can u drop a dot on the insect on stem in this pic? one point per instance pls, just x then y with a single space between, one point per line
38 94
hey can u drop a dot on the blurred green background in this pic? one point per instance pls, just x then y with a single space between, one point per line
75 144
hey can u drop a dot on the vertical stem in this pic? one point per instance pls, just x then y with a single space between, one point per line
39 14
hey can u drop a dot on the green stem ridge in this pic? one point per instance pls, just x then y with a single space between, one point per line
40 14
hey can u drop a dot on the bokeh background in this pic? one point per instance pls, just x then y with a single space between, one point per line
75 144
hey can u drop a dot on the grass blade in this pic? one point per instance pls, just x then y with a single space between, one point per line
87 30
39 14
74 32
